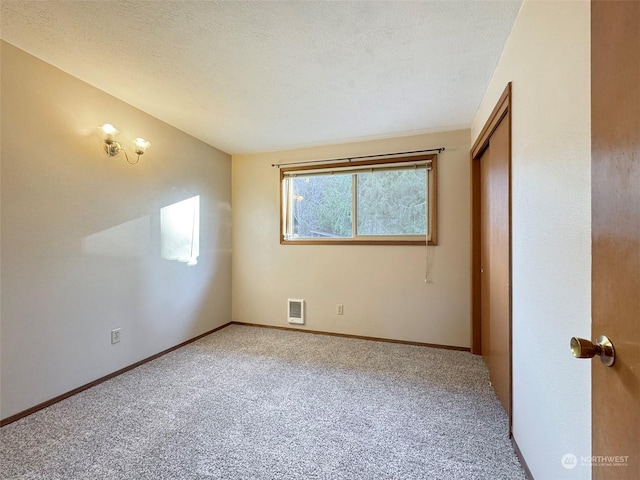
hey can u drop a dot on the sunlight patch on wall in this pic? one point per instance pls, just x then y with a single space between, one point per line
127 240
180 231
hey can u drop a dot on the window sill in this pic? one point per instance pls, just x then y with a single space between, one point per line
347 241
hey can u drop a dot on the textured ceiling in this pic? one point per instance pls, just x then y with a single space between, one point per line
260 76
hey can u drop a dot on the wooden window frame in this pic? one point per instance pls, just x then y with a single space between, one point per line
432 206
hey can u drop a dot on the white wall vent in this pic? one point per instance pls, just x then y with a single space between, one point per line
295 311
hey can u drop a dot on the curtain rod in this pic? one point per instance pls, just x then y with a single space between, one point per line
349 159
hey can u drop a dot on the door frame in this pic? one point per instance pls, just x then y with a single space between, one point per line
502 111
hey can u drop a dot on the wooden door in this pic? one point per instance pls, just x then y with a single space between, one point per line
615 188
491 325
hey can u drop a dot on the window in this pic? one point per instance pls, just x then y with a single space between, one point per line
390 201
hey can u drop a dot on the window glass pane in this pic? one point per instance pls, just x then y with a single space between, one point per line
392 203
321 206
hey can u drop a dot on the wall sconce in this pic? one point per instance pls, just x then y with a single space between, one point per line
113 148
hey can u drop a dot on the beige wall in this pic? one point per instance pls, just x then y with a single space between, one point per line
547 59
382 287
81 235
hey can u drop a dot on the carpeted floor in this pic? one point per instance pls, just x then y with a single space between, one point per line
255 403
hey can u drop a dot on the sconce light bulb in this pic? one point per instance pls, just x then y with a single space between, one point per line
109 132
141 145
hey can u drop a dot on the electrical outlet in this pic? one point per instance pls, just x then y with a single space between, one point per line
340 309
115 336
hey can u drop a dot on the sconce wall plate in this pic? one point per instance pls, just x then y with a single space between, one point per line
111 147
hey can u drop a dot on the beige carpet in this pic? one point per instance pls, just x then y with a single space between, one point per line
255 403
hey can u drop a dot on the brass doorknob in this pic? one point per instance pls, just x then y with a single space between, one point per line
582 348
